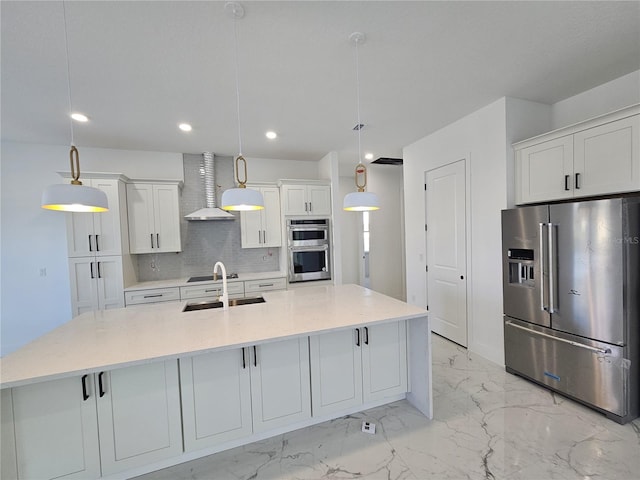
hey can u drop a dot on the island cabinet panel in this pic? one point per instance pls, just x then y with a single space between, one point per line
216 398
139 415
55 430
352 367
280 383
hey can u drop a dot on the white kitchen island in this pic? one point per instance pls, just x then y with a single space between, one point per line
302 357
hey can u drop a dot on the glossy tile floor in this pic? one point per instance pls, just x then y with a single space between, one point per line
487 424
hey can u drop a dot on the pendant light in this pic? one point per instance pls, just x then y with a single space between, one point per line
240 198
360 201
73 197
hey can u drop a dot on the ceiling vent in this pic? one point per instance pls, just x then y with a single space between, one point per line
388 161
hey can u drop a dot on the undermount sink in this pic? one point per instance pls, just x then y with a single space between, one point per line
234 302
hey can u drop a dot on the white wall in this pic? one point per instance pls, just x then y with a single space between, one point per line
386 247
605 98
481 139
34 275
328 170
271 170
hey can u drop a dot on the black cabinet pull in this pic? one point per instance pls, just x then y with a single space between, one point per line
85 395
255 356
577 181
151 239
157 240
366 335
91 267
357 337
97 245
99 271
566 182
90 246
244 360
100 386
152 296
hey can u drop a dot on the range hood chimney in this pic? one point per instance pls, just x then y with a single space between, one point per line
210 212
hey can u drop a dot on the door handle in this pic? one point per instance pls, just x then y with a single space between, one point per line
264 236
157 240
90 245
255 356
310 208
91 267
244 360
551 269
85 395
99 270
577 181
151 239
100 385
566 183
97 245
541 264
366 335
357 337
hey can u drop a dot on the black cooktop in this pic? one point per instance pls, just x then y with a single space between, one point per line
209 278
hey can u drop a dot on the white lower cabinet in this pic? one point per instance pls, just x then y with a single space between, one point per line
230 394
82 427
55 430
356 366
139 415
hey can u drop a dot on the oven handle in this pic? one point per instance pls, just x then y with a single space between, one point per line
313 248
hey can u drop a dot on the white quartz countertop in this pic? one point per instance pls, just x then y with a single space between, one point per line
182 282
106 339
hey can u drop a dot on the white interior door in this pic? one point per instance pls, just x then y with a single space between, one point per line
446 251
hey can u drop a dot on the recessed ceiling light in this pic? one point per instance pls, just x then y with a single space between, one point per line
368 156
271 135
185 127
78 117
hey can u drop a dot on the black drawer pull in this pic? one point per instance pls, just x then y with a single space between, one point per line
85 395
100 385
155 295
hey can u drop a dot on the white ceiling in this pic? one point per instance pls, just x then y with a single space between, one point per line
140 68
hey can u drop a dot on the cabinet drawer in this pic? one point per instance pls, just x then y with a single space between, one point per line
155 295
211 290
255 286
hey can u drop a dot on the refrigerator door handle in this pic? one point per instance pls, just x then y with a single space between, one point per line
543 307
551 268
601 351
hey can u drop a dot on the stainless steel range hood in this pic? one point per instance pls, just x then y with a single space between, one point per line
211 211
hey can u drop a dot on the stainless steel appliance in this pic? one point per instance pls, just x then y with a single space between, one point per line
309 246
571 277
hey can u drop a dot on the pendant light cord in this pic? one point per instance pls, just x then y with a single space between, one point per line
235 32
358 102
66 49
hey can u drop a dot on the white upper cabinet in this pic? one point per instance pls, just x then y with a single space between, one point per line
154 217
299 199
606 158
597 157
98 233
263 228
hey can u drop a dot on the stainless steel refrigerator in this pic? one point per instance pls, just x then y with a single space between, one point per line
571 276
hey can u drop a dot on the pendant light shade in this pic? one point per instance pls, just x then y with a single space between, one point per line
240 198
73 197
360 201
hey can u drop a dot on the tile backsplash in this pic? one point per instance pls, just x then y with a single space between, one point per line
206 242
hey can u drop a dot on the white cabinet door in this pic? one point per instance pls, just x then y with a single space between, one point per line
96 283
607 158
271 218
280 383
216 398
96 233
141 221
55 430
167 218
139 415
294 201
263 228
154 218
336 371
319 199
384 360
545 171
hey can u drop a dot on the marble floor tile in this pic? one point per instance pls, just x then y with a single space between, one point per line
487 424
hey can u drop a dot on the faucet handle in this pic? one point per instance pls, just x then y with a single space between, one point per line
215 275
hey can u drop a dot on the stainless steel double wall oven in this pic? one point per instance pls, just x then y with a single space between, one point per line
309 247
